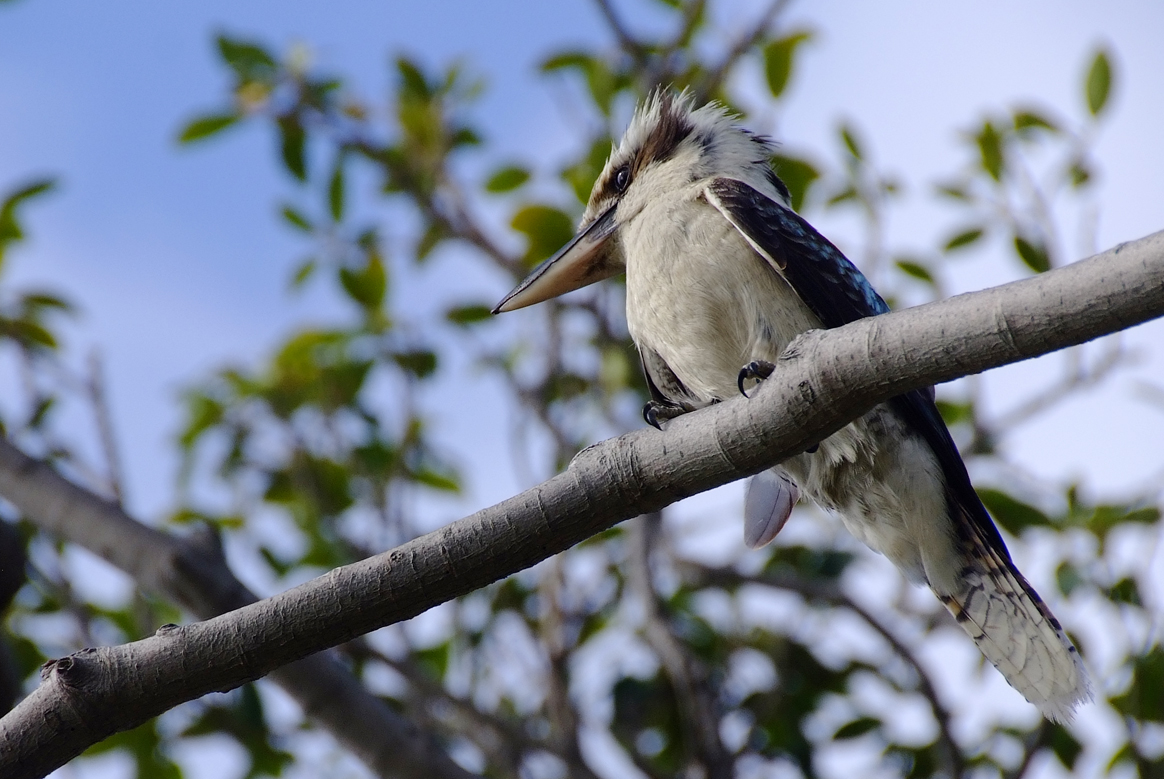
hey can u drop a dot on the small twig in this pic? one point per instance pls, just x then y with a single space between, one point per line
626 41
696 703
715 77
99 399
1032 745
1075 379
558 704
831 594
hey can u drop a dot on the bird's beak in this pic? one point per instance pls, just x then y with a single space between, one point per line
586 259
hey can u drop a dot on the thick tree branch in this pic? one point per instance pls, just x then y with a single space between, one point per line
193 573
825 379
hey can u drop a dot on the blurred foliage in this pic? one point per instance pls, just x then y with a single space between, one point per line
312 457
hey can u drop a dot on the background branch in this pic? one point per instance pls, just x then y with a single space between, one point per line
193 573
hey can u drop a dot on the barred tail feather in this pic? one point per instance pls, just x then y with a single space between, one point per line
1016 632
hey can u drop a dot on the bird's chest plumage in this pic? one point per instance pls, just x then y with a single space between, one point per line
700 297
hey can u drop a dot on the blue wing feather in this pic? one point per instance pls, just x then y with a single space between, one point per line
838 293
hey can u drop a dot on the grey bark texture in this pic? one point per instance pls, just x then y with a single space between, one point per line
825 379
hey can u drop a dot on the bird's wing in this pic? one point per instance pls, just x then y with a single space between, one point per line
838 293
664 385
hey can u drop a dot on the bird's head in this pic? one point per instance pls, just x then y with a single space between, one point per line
669 146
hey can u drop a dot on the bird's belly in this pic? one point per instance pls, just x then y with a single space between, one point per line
700 297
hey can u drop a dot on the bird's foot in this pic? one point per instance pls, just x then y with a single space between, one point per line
756 369
656 412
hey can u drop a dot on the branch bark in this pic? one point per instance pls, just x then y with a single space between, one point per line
825 379
193 573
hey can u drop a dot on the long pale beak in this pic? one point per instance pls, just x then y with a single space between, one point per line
586 259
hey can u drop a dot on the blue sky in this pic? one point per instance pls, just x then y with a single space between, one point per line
178 261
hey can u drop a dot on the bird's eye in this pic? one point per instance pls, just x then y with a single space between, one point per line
622 179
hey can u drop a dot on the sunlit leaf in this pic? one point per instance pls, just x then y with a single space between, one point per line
1028 119
778 56
915 269
335 190
1098 83
1068 578
1144 699
507 179
990 150
856 728
953 191
849 137
420 363
206 126
413 84
1033 255
292 140
963 239
295 218
798 174
250 61
1010 512
547 230
467 315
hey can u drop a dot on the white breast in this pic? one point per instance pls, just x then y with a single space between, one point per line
701 298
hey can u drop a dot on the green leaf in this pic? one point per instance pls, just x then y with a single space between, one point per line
434 659
507 179
467 315
335 190
778 60
28 333
205 126
413 84
1068 578
1125 591
1028 119
433 235
856 728
569 59
248 60
295 218
305 271
990 149
798 174
1065 746
292 140
1098 83
915 269
546 228
367 285
10 230
1014 515
1144 699
953 191
955 413
1033 255
849 137
1079 174
437 481
420 363
963 239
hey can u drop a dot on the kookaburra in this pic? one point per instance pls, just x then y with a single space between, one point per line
721 274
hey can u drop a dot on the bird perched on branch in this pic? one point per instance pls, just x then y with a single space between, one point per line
721 274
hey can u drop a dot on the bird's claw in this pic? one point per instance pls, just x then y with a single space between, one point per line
756 369
656 413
